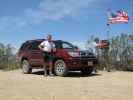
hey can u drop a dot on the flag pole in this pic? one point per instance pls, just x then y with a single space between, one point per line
108 32
108 24
106 50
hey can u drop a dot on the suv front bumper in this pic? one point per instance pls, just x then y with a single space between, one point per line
79 63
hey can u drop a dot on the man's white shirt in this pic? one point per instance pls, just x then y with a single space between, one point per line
94 47
47 46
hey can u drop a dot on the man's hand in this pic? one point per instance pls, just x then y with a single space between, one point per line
54 49
41 47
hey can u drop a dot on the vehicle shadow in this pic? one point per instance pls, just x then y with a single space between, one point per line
79 74
71 74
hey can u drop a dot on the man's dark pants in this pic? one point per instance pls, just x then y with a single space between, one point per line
48 59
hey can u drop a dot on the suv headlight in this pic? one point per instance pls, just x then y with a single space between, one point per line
74 54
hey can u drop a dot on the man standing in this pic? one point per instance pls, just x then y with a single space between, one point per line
48 47
95 48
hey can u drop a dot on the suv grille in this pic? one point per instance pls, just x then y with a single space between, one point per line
86 54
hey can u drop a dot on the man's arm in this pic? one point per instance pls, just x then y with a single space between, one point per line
53 47
41 46
98 45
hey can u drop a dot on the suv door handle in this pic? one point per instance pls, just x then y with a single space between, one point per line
35 52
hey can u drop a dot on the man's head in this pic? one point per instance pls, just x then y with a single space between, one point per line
96 40
49 37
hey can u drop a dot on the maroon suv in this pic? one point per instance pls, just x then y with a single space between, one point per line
67 57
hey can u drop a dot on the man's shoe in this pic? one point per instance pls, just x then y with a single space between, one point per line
51 74
45 75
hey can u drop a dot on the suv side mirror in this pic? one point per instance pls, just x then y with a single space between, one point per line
76 47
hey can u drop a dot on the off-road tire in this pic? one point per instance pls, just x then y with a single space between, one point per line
60 68
26 68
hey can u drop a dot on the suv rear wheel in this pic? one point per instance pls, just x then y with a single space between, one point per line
26 67
87 70
60 68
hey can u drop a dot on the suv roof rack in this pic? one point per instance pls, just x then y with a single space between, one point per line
34 40
39 40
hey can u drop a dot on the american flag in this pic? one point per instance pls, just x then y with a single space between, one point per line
118 17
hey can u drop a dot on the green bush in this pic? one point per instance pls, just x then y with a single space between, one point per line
8 58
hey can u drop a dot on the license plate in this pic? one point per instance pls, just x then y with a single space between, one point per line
90 63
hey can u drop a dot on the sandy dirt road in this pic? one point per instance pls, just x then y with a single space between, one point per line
104 86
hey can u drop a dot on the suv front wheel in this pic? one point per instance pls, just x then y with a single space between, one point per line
60 68
26 67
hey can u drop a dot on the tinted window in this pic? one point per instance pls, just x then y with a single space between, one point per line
34 46
24 45
58 45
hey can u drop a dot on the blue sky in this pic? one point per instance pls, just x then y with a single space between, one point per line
70 20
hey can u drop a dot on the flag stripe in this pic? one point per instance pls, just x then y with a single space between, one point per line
119 17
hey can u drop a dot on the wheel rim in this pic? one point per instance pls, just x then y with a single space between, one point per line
60 68
25 66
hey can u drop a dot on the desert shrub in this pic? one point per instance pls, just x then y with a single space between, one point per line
7 58
120 54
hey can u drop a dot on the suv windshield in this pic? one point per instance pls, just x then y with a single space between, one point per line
66 45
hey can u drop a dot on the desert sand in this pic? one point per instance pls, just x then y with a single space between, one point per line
117 85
